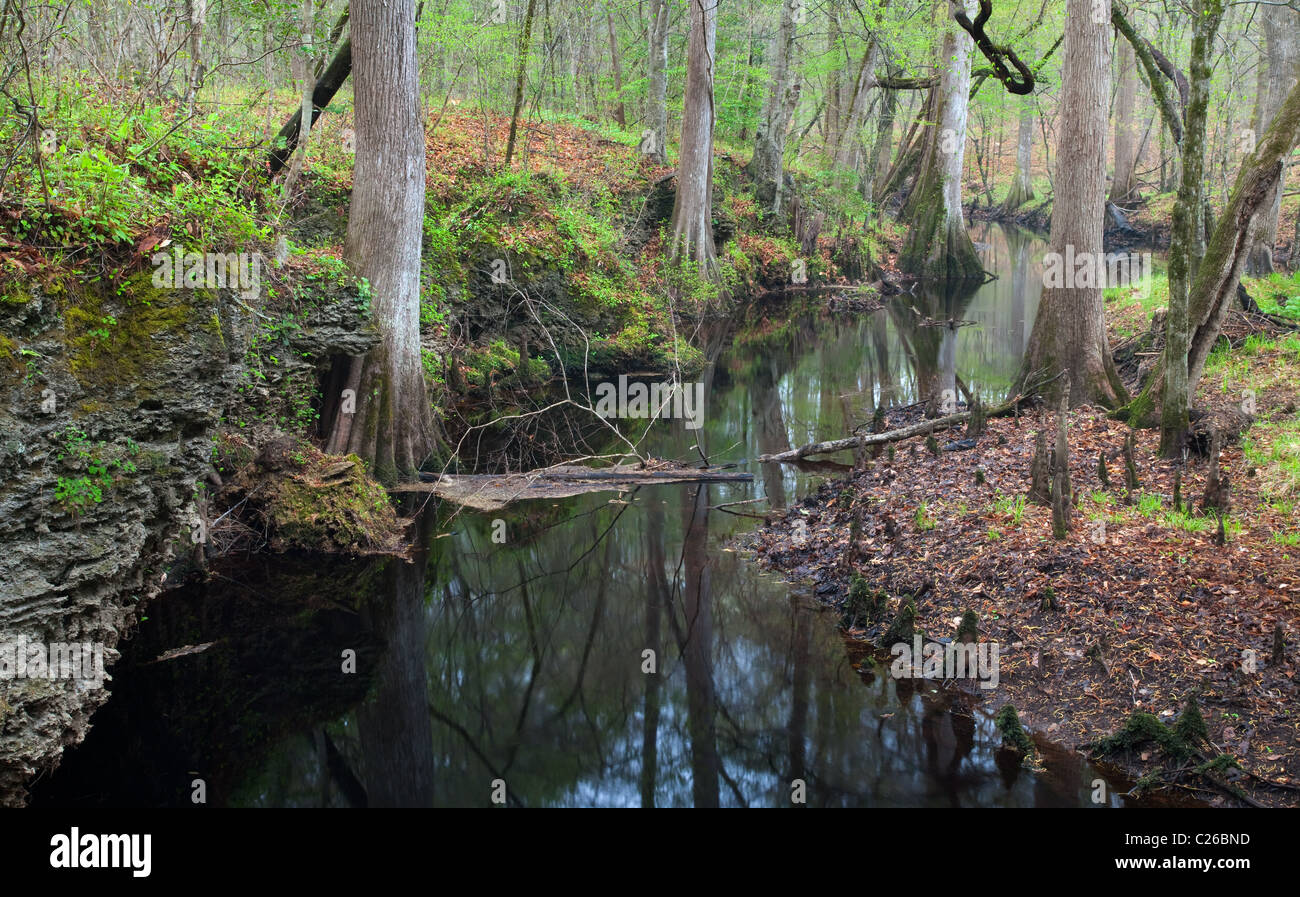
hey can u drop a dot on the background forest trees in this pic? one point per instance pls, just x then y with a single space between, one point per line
884 109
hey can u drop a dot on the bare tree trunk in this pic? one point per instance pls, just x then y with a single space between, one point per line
521 69
1282 42
692 224
620 115
769 142
198 13
1070 330
1122 186
336 73
302 68
938 244
848 140
834 89
391 427
1022 186
657 115
882 151
1215 287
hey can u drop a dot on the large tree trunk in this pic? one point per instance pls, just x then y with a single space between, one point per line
1022 186
391 426
692 225
769 142
1185 242
657 114
1070 330
938 244
1123 186
1282 42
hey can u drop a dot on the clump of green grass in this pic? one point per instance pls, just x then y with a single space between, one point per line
923 518
1010 507
1188 522
1148 505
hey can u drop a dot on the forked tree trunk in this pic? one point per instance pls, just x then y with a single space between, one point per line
1215 288
938 244
1070 330
849 139
391 426
881 151
691 236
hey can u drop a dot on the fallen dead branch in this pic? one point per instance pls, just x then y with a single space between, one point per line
921 428
488 492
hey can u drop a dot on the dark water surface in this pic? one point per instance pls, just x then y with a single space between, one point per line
516 668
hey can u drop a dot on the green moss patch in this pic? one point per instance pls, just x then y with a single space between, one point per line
320 502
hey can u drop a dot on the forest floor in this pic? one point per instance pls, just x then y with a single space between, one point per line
1149 610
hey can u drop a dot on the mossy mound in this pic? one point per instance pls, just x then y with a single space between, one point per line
312 501
1191 725
1013 734
969 626
904 625
864 604
1140 729
331 505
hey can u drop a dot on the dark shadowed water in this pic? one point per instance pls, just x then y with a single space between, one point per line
515 669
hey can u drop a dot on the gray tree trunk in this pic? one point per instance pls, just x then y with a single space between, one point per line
1022 186
769 142
691 235
849 138
1282 63
657 114
1070 330
1187 227
391 426
1123 187
938 244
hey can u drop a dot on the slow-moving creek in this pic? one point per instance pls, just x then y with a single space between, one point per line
511 661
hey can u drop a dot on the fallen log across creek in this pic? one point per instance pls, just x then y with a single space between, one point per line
866 440
491 492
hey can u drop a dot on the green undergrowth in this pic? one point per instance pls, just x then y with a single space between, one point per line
106 171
